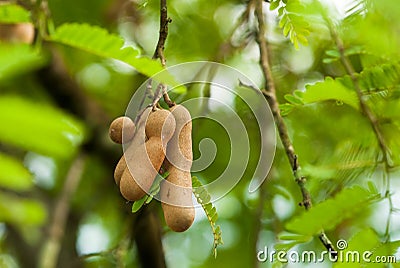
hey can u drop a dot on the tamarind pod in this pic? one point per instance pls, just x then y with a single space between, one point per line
178 217
122 130
139 138
147 159
119 169
17 33
176 192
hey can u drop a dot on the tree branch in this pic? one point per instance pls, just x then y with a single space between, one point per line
270 95
164 21
148 239
370 117
159 51
52 246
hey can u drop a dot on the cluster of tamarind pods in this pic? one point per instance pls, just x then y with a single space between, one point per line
161 138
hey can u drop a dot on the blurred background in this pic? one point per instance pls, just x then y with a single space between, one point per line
59 205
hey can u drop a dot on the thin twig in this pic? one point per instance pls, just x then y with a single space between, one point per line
270 95
370 117
159 51
164 21
166 97
157 96
52 246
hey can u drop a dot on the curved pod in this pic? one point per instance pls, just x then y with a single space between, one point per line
176 192
146 159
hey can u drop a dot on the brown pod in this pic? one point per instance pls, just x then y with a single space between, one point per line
147 158
119 169
176 196
138 139
17 33
122 130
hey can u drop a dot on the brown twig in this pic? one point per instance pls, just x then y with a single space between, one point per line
164 21
148 237
270 95
52 246
159 51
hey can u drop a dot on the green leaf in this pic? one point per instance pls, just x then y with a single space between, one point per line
330 89
368 240
283 20
274 5
18 59
280 13
328 214
286 108
38 127
293 100
349 161
294 6
329 60
286 29
372 187
13 175
381 77
10 13
138 204
293 23
99 42
296 237
364 240
302 39
319 171
333 53
20 211
386 250
154 189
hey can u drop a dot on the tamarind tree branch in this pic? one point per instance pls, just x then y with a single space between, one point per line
150 250
52 246
366 111
159 51
270 95
163 34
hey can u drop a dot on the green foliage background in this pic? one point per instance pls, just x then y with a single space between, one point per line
58 96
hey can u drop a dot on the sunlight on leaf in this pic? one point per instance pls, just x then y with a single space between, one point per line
13 175
10 13
39 127
18 59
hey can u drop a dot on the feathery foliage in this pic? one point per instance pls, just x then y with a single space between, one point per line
330 213
203 198
291 21
98 41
